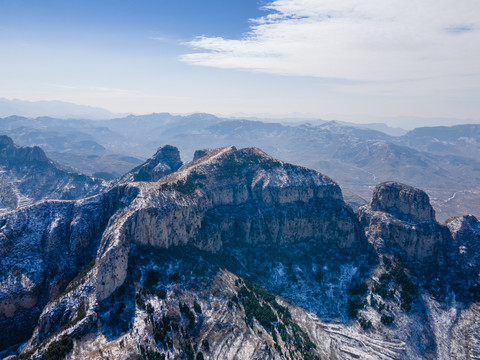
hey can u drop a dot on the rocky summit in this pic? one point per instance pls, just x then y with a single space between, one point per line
236 255
400 219
403 202
165 161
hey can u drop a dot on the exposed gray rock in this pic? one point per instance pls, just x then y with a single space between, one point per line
400 220
16 156
201 153
464 229
465 248
165 161
42 247
231 197
402 201
236 206
228 198
443 161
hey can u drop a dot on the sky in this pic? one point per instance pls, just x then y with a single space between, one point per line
309 58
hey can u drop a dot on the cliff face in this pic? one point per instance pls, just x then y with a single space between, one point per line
159 268
42 247
400 220
244 197
228 198
28 176
402 201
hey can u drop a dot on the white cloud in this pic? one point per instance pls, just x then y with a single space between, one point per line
369 41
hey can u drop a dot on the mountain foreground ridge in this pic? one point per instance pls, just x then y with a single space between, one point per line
237 254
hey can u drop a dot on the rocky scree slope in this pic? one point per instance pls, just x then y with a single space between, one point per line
228 198
28 176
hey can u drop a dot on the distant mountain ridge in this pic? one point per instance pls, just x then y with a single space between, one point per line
28 176
58 109
442 160
73 143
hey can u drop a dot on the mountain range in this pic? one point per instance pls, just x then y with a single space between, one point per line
54 108
28 176
441 160
236 254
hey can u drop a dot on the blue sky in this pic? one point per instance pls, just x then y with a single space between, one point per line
318 57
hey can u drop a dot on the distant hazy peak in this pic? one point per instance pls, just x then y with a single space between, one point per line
58 109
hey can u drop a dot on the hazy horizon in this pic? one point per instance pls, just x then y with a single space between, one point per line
67 110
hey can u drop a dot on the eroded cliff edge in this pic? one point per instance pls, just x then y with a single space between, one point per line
228 197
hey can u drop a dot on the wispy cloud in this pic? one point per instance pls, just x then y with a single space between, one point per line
166 39
458 29
368 40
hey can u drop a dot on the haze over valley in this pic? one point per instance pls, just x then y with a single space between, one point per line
441 160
